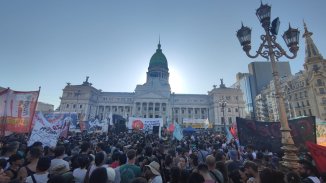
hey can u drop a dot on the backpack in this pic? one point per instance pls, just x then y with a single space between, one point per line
127 174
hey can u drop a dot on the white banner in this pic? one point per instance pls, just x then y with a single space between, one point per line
199 121
145 124
48 129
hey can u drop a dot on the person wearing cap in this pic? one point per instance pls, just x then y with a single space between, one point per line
59 153
153 173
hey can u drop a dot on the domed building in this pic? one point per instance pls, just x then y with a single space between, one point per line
154 99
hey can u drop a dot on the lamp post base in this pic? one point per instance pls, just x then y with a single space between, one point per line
290 159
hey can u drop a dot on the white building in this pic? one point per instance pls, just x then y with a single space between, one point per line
44 107
154 99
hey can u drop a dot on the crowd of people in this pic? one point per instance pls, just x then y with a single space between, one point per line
135 157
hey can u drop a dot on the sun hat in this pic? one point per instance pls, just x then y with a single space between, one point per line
155 167
59 169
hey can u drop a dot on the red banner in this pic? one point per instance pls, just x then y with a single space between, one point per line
3 100
17 109
318 153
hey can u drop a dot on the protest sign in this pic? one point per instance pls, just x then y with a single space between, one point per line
48 127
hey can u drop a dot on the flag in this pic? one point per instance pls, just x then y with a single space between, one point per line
17 110
177 132
206 124
229 136
318 153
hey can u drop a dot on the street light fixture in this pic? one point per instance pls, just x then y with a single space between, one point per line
222 104
272 51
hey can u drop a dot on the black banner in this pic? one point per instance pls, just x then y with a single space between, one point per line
267 135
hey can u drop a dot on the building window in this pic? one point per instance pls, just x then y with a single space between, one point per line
310 113
302 104
296 96
300 114
230 120
138 108
156 116
182 111
236 110
144 115
321 91
308 104
304 112
157 108
163 109
74 106
319 82
229 109
80 106
305 94
151 116
67 106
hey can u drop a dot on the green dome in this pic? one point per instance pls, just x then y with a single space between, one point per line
158 59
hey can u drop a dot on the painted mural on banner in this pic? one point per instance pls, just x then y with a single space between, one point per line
321 132
17 109
50 126
267 135
144 124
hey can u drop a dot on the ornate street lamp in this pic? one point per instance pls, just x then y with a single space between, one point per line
222 104
272 51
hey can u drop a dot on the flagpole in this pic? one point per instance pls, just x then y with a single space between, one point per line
31 121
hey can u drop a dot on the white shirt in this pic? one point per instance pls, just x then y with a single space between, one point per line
40 178
79 175
157 179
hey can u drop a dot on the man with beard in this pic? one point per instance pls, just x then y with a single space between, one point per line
251 170
308 172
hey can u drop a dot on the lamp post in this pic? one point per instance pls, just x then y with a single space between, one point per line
222 104
272 51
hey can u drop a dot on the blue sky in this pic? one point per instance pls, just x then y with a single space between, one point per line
49 43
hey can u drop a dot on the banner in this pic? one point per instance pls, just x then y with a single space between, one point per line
197 123
94 125
145 124
267 135
318 153
48 127
3 100
17 110
321 132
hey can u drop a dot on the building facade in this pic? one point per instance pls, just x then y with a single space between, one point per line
154 99
44 107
